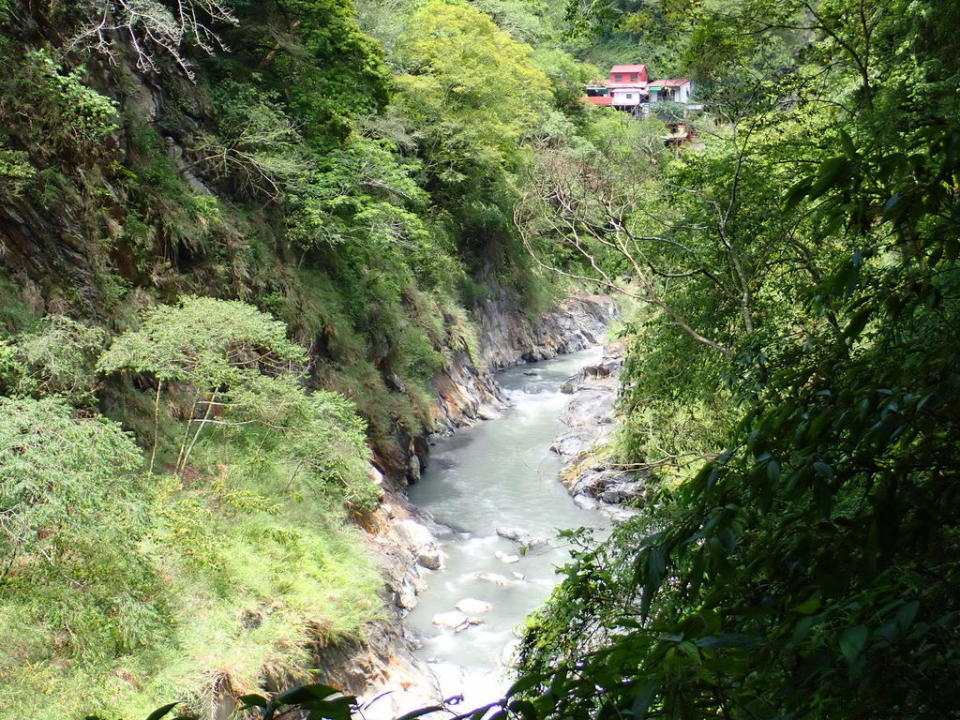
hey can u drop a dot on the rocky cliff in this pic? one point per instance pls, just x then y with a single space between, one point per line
511 335
594 480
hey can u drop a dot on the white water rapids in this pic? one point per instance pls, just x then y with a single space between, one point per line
497 474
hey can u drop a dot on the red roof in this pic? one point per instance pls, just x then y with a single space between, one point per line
628 69
676 82
597 99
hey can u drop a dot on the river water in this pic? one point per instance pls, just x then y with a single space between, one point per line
499 473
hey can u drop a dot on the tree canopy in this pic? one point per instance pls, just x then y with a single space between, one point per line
805 569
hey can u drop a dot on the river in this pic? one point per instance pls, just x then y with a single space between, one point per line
498 473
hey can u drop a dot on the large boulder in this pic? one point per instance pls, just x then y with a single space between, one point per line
421 541
521 537
452 619
472 606
455 620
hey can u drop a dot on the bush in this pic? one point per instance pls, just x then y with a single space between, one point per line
59 358
52 110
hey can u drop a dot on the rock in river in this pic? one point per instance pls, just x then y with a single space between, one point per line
495 579
521 537
471 606
421 540
452 619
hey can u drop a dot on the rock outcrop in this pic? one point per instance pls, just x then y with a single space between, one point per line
590 418
511 335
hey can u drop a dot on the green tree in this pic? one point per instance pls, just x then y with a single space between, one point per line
807 569
207 346
60 477
470 89
58 358
74 522
326 70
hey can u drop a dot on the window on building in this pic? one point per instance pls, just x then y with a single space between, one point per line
616 78
629 96
634 77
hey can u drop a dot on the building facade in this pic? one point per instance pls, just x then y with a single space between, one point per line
629 88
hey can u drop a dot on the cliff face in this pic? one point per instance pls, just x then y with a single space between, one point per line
511 335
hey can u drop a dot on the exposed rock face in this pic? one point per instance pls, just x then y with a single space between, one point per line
510 336
590 421
416 536
466 395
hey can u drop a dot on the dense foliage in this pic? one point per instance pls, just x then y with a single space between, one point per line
113 569
240 239
800 269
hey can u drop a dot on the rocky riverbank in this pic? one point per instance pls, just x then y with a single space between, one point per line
509 335
589 473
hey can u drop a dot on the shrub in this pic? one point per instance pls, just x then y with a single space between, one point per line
54 111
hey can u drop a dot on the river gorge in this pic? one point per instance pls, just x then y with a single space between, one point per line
489 483
471 545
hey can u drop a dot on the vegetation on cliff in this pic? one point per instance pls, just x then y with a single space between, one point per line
239 240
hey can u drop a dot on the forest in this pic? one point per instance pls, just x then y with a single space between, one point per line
240 240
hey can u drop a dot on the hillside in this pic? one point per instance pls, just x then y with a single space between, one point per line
239 243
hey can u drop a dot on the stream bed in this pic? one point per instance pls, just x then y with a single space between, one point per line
499 473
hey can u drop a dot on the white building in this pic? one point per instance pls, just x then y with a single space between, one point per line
679 90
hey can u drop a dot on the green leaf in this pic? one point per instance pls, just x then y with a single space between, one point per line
797 193
773 471
524 683
808 607
823 469
339 709
829 174
852 642
251 701
161 711
643 699
847 143
526 709
858 322
802 629
731 640
906 615
305 693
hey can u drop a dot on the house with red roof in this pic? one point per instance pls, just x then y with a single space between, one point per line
678 90
629 88
628 75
